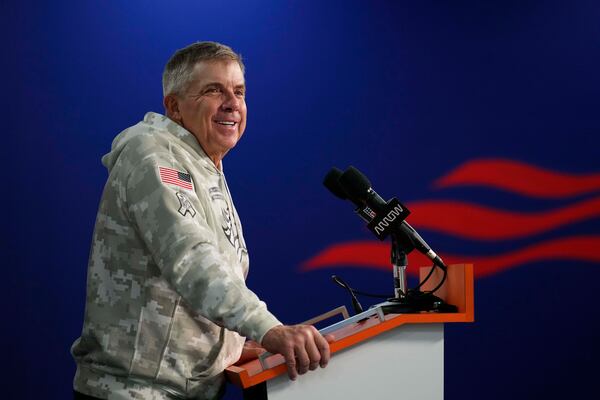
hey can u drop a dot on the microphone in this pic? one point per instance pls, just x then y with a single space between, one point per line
382 217
387 214
332 183
357 187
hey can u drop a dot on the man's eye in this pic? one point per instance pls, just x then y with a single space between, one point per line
240 93
212 90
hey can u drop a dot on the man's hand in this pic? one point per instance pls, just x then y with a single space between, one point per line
302 346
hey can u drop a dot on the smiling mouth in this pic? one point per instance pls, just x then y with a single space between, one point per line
226 123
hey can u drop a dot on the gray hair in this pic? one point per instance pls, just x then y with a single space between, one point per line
180 67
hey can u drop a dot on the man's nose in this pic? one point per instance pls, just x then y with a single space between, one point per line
230 102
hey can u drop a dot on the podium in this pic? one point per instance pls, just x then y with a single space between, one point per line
374 355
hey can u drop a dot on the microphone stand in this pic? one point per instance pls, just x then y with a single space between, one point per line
400 263
409 300
402 302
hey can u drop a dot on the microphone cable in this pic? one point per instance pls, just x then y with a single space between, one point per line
355 303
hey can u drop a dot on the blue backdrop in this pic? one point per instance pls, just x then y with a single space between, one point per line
483 117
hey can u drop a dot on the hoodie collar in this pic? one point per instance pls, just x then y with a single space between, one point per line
162 122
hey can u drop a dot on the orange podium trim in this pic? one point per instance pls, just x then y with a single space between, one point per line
457 290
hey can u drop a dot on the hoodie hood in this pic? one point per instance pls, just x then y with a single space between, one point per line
118 144
154 127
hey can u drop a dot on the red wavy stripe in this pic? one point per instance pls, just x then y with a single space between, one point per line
483 223
376 255
521 178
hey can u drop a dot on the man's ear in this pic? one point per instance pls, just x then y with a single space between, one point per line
171 104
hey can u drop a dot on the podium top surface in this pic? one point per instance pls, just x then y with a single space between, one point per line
457 290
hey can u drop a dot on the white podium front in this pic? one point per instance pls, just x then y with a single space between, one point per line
406 362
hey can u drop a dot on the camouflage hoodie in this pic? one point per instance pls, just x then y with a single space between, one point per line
165 286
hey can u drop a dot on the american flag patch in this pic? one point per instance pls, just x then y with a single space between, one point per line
174 177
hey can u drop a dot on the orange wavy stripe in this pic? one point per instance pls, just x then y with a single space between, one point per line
473 221
519 177
371 254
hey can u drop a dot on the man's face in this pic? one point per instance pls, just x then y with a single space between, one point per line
213 107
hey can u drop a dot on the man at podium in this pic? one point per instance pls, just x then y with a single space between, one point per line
167 307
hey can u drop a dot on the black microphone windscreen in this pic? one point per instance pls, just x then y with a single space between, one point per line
332 183
355 184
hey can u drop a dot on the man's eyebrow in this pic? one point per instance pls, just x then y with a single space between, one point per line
212 84
218 84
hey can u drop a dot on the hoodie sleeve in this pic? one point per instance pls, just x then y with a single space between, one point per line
172 223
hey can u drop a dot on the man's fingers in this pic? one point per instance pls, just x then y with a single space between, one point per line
303 360
290 362
322 344
313 352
